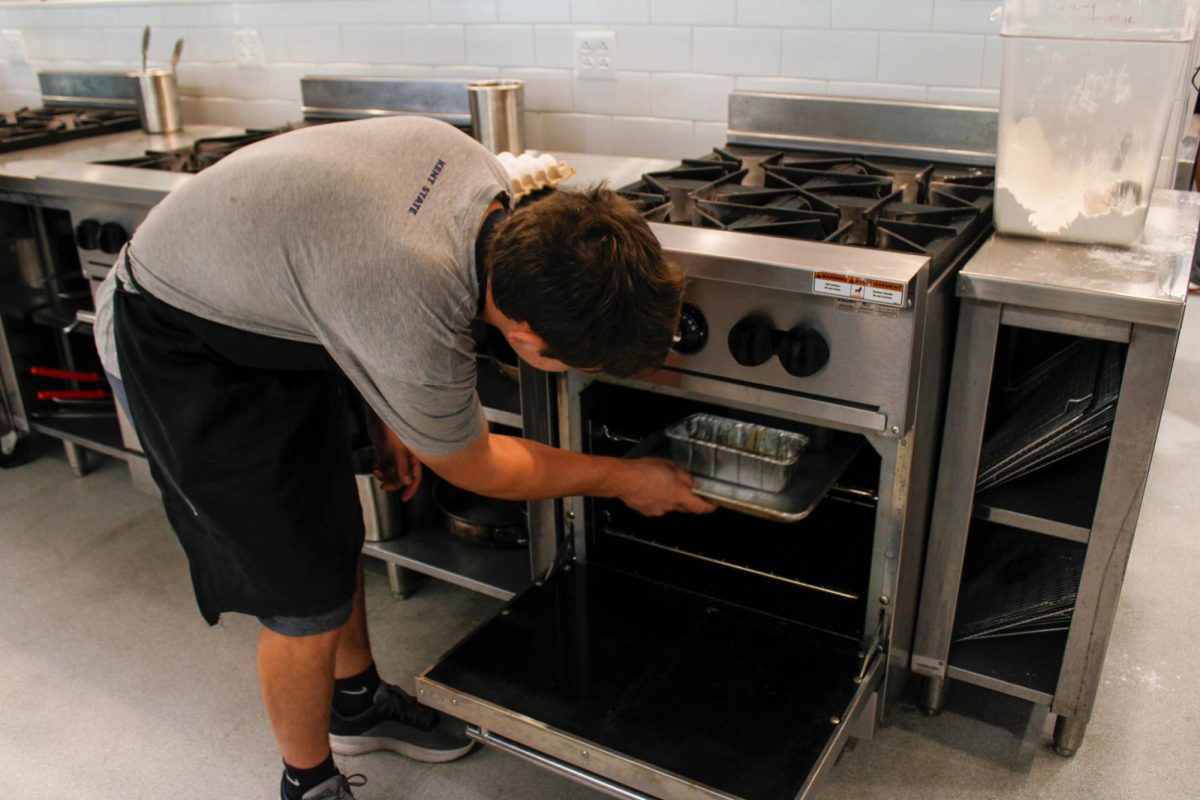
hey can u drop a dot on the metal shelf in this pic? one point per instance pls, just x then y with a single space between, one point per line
505 418
431 551
1059 500
1021 666
99 434
501 397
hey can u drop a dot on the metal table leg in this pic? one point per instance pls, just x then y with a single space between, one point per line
1135 430
76 458
966 412
403 582
934 698
1068 735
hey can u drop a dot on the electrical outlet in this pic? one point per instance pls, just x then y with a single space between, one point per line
18 53
596 55
248 47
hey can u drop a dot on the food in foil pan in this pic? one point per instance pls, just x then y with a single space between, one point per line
741 453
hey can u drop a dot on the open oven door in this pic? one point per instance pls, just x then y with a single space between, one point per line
643 690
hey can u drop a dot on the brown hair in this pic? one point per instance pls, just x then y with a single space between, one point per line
584 271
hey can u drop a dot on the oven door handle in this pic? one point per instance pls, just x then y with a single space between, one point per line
602 785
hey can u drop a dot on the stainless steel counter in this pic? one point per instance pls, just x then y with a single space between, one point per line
617 170
68 169
1146 284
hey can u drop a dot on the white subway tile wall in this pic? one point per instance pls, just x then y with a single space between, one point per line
931 59
652 137
629 94
736 51
784 13
500 45
677 60
894 15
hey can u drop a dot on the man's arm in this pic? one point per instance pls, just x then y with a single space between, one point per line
518 469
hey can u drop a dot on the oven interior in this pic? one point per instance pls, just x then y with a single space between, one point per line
814 572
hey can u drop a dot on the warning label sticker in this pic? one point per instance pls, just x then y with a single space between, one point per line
867 290
859 307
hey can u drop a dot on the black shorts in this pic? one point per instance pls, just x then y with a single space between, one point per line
248 437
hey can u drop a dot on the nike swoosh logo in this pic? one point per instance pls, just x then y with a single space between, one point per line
360 690
289 780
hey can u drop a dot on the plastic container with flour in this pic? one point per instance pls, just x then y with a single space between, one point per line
1086 96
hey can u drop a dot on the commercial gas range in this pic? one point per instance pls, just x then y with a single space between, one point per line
82 182
64 216
733 655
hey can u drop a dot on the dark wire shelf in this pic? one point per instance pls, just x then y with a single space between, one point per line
1058 500
1021 666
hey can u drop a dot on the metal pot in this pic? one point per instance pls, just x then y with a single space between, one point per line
480 520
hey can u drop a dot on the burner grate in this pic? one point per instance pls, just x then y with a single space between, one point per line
926 209
36 127
201 155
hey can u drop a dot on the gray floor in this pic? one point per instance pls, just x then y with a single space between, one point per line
112 687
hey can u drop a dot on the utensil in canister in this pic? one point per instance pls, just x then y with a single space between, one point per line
498 114
484 521
158 91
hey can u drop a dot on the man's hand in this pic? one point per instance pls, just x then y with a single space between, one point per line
395 465
657 486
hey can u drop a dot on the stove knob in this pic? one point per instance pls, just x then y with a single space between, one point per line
692 333
87 235
752 341
112 238
803 351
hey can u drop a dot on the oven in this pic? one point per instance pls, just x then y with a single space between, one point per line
728 655
733 655
41 290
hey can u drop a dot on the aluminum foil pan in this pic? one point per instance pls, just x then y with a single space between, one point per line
741 453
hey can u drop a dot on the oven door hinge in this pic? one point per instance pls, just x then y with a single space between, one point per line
874 647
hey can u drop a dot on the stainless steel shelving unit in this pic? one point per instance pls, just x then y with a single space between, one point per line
427 549
1091 500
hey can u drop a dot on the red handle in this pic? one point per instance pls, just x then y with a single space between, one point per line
66 375
72 394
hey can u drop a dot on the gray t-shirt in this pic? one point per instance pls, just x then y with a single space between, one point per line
359 236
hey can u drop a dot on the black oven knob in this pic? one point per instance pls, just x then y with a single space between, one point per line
112 238
803 351
752 341
692 332
87 235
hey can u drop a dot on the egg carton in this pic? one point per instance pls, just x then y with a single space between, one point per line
530 172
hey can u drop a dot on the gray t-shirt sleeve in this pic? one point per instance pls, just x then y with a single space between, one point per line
433 420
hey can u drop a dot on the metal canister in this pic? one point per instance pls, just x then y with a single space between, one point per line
498 114
158 100
381 517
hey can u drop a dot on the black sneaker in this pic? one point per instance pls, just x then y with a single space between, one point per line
397 722
336 788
